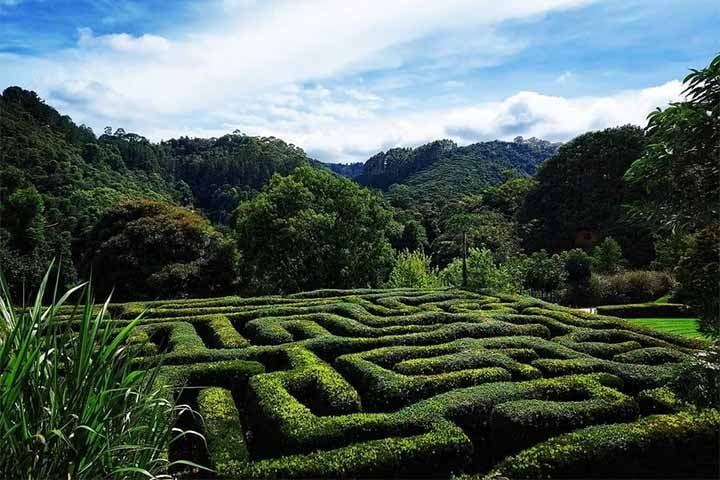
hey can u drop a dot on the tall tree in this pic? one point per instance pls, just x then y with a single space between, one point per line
313 229
680 178
581 191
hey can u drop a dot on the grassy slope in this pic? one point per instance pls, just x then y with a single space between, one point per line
687 327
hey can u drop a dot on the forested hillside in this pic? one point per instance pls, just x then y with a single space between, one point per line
57 178
443 170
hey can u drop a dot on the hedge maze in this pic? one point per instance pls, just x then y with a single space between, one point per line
424 383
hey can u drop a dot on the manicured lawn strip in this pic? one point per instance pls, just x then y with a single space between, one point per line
687 327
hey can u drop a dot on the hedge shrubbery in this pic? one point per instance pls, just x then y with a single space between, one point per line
680 445
632 286
223 432
646 310
401 382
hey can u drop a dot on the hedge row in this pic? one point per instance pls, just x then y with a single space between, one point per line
684 445
281 424
222 429
651 356
635 377
383 389
647 310
227 373
333 346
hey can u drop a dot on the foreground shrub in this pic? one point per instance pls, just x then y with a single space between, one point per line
697 379
71 404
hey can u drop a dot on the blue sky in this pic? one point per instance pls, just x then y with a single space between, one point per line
345 80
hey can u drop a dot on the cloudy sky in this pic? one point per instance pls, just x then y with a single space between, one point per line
346 79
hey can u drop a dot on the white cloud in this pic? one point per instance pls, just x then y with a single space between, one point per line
565 77
453 84
334 130
281 68
123 43
248 47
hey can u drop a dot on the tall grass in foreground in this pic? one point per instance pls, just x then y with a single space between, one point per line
71 404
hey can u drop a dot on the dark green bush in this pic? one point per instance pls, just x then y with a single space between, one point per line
697 378
578 265
444 449
684 444
632 286
699 276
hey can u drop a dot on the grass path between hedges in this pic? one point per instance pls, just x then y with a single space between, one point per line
687 327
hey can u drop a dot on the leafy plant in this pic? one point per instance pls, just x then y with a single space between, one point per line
484 273
71 403
608 256
578 265
544 273
413 270
697 379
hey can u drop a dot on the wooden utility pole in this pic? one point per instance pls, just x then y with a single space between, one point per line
464 257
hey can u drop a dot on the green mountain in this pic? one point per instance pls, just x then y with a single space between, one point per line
56 178
442 170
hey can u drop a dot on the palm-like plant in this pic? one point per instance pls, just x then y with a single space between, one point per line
71 403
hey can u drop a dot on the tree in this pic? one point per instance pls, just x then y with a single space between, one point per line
578 266
581 189
483 273
608 256
544 273
413 237
413 270
313 229
679 175
698 274
148 249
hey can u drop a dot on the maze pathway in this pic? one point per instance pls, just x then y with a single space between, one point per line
396 382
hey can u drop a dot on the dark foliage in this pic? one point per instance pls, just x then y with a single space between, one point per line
581 189
148 249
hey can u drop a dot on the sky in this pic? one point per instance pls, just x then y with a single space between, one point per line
347 79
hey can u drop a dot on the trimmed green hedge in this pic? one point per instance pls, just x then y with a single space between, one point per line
683 445
399 383
440 451
647 310
221 424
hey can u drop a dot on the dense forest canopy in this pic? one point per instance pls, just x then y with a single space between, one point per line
444 170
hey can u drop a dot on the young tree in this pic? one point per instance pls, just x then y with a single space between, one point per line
413 270
607 257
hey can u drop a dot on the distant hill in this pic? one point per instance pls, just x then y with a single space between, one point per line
349 170
443 170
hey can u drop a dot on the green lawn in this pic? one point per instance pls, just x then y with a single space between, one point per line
679 326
